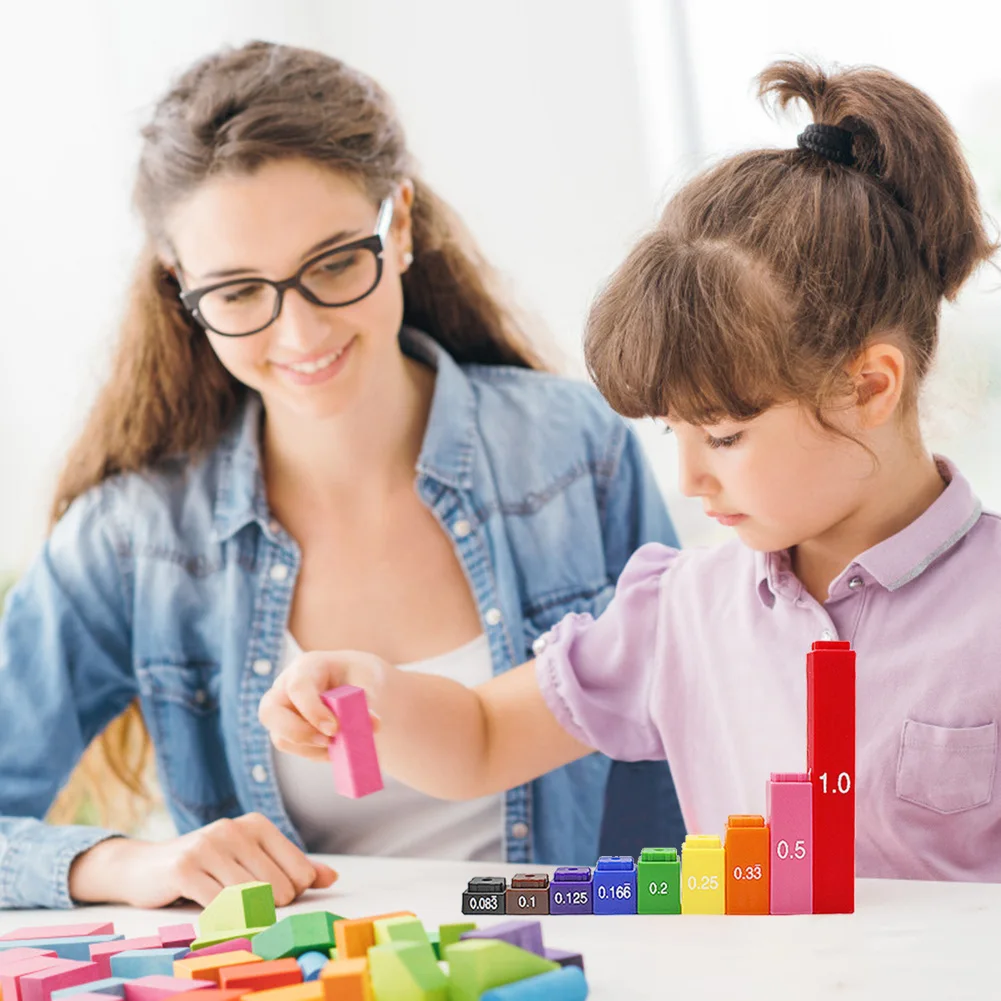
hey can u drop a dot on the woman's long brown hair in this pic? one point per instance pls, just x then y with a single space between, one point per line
168 395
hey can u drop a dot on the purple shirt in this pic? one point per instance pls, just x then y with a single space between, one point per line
701 658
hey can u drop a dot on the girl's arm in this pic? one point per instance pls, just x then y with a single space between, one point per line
432 733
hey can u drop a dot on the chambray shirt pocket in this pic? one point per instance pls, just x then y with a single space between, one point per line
182 710
947 769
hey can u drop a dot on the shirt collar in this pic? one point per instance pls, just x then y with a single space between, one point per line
446 453
897 560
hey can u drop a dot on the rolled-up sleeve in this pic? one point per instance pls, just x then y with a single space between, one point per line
596 675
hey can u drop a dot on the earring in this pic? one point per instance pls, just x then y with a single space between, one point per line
408 259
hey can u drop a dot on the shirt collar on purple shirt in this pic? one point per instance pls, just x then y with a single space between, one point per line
894 561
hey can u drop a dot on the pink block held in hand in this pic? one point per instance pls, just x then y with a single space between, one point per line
352 751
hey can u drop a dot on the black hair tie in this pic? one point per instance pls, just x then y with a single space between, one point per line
829 142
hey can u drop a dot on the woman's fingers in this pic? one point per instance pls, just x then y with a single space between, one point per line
325 876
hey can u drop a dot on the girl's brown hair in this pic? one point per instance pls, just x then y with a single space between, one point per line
768 274
168 394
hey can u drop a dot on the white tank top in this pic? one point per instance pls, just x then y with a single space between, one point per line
397 821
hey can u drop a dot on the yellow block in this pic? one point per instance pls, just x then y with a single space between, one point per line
703 875
310 991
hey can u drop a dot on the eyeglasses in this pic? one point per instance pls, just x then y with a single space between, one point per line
338 277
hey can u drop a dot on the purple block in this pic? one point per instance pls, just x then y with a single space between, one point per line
615 885
571 891
565 958
525 935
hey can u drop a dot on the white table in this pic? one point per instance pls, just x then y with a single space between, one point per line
907 940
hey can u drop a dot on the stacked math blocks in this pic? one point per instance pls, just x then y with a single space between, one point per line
242 951
800 861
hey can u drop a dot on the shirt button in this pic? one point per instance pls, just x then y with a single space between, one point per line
539 645
200 696
259 773
827 635
493 616
855 583
279 572
519 830
262 667
462 528
274 526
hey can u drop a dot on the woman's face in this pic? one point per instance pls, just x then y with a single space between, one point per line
311 360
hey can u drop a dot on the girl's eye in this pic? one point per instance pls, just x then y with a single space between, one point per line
728 442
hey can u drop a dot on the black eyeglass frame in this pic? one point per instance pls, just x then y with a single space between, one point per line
376 243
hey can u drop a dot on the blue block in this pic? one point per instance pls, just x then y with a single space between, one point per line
64 948
615 885
136 963
311 963
112 986
567 984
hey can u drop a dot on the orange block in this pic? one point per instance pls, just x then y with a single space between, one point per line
261 976
347 979
355 936
747 854
311 991
208 967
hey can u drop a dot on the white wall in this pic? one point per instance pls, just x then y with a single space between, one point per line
556 127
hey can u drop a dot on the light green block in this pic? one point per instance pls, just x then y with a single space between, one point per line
401 929
452 933
333 952
217 938
406 971
249 905
476 965
435 939
296 934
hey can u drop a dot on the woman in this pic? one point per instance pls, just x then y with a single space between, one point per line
322 430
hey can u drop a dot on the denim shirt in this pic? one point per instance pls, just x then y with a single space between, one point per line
174 586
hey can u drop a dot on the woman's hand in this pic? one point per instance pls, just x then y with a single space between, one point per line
295 716
196 866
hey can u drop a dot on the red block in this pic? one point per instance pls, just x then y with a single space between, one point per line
261 976
66 973
44 932
830 757
352 752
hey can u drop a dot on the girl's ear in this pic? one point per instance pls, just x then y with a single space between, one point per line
402 228
878 377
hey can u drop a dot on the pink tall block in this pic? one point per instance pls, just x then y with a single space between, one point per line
43 932
352 751
790 817
101 952
156 987
9 956
66 973
230 945
12 972
173 936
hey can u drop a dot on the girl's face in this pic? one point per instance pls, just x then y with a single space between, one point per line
311 360
779 479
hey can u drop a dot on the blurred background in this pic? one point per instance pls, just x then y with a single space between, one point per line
557 128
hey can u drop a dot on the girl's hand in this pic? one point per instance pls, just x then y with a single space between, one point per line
297 719
196 866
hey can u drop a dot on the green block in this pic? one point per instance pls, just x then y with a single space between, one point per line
216 938
249 905
406 971
435 939
658 881
401 929
450 934
333 952
296 934
476 965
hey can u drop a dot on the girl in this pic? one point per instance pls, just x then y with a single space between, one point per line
323 429
780 320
